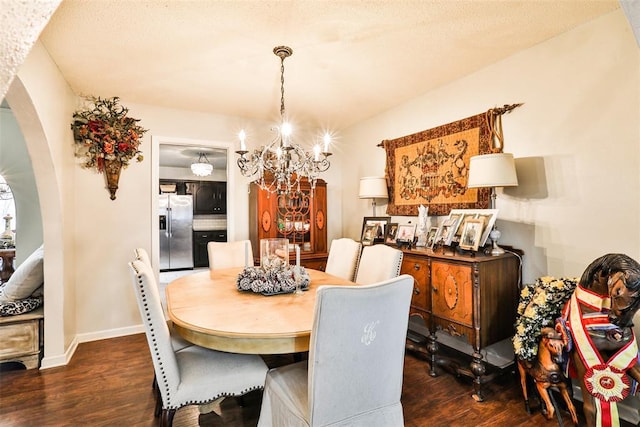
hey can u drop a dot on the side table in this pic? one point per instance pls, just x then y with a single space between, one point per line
21 338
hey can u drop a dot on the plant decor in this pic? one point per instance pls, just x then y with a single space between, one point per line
540 305
107 138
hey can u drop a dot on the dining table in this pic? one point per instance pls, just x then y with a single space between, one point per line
208 309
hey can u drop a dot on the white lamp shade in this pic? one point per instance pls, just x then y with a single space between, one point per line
492 170
373 187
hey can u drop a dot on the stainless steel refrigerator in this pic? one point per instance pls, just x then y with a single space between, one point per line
176 233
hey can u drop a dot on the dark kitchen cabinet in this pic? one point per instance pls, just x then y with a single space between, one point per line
200 240
210 197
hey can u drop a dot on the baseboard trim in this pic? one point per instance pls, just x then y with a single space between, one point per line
64 359
110 333
60 360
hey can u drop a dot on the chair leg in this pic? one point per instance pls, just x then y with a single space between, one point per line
158 410
167 417
154 385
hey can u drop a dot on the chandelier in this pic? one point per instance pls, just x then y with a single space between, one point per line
280 165
202 167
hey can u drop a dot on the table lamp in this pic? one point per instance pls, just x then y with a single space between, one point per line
373 187
492 170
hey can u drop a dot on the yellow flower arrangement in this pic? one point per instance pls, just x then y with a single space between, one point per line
540 305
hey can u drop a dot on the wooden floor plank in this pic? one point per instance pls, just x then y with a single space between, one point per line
108 383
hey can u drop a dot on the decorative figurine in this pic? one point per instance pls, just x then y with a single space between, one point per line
423 225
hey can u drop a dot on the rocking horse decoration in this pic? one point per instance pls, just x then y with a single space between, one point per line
597 335
539 348
597 323
546 371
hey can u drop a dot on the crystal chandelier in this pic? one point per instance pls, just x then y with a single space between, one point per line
202 167
280 165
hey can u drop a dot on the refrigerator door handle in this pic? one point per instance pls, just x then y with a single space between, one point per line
169 223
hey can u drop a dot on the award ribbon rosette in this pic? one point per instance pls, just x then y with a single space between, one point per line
606 381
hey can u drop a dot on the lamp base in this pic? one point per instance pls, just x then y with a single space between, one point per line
494 236
496 250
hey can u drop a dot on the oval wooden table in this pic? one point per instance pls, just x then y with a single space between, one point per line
207 309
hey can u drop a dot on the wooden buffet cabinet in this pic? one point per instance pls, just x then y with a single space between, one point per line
299 217
466 298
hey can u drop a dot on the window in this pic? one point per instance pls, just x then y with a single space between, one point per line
7 206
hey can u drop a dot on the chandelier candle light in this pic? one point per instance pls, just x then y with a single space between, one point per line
280 165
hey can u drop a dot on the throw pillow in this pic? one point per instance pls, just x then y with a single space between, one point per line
19 307
28 277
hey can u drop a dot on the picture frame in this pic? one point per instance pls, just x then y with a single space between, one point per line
445 233
406 233
453 225
381 221
369 234
489 216
392 231
431 236
464 217
471 234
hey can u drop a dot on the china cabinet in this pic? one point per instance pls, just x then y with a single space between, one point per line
299 216
466 302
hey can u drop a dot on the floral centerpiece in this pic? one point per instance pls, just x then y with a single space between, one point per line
540 305
272 281
106 137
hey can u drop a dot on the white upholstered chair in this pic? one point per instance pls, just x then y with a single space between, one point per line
378 263
193 375
343 258
177 342
356 357
230 254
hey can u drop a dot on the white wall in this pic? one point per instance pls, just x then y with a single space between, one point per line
578 127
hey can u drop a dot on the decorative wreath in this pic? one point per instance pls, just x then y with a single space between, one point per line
271 281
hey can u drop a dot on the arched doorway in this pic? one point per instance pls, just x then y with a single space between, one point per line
58 292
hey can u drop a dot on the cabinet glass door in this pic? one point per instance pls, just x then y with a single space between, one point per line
293 218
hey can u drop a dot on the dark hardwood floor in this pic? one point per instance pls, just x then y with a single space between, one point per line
108 383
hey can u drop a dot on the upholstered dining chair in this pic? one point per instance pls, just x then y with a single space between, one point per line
177 342
230 254
193 375
343 258
353 376
378 263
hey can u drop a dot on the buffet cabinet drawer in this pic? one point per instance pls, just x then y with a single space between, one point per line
418 267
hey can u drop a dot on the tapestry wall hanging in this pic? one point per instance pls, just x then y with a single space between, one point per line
431 167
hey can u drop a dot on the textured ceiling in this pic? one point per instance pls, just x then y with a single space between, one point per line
352 59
